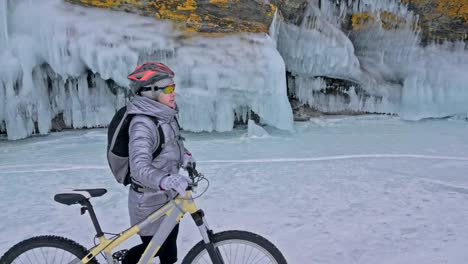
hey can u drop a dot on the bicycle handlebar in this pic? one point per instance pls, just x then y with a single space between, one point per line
193 173
194 176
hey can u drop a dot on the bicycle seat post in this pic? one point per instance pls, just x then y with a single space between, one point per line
87 205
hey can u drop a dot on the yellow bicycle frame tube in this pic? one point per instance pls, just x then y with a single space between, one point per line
174 210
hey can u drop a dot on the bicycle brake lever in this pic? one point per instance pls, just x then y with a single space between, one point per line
192 172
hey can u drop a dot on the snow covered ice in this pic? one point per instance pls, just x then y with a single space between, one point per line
361 190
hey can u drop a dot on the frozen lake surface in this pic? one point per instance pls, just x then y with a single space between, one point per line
337 190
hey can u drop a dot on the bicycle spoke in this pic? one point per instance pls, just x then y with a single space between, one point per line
55 255
254 256
29 259
206 259
34 254
45 250
224 255
19 260
45 256
245 257
236 252
263 257
250 254
61 259
229 256
41 250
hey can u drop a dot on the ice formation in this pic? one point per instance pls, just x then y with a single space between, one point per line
254 130
391 72
69 67
71 64
231 73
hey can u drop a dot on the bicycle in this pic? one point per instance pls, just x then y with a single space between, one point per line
216 248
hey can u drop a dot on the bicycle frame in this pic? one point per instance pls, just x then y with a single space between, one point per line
170 214
173 212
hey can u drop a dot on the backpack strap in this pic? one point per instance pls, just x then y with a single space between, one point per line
160 135
180 129
177 121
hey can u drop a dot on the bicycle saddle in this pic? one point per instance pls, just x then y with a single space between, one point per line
78 195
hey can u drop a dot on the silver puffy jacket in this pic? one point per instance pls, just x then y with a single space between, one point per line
144 139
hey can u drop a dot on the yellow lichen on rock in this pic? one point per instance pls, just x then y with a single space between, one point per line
272 10
100 3
187 5
384 19
441 19
134 2
220 3
213 16
361 20
390 20
454 9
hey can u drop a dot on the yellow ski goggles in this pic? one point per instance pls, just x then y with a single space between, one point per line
167 90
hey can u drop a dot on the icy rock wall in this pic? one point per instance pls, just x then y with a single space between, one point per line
375 44
424 82
72 64
232 74
44 101
319 48
437 85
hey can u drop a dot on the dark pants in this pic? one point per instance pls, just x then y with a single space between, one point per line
167 253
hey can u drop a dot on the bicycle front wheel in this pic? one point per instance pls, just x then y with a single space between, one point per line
46 250
237 247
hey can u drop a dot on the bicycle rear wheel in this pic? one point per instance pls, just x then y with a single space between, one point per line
46 250
237 247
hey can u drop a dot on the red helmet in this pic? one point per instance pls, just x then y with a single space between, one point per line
148 73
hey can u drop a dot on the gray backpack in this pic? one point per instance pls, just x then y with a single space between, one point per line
117 144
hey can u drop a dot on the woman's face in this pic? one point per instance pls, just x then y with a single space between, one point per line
167 99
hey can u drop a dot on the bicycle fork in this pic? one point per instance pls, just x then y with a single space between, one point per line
207 234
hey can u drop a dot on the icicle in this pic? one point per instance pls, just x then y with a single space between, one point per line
274 27
4 23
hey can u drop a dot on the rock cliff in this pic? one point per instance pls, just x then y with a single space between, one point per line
438 19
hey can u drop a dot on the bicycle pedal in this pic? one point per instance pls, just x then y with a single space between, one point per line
120 255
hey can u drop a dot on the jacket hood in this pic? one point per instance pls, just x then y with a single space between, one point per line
146 106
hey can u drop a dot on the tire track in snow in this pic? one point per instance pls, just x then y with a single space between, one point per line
340 157
279 160
63 168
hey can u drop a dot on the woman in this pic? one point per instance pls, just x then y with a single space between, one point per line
153 86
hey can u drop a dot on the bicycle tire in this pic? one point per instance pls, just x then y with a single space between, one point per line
39 247
239 239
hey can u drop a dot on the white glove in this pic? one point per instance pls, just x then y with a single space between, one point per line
176 182
188 161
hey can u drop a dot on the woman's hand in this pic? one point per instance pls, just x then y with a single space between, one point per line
176 182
